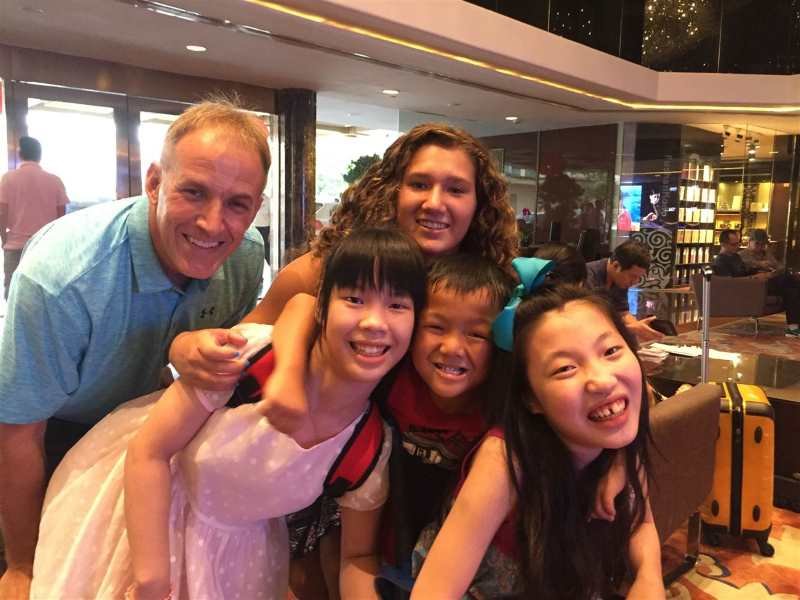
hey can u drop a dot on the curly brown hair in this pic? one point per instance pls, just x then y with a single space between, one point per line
372 200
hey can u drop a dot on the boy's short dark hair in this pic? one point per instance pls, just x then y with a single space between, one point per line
467 273
30 149
631 254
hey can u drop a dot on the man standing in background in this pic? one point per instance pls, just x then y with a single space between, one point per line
30 198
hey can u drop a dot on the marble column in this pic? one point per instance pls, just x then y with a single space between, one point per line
298 113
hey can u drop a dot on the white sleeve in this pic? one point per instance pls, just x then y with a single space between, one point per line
257 336
374 492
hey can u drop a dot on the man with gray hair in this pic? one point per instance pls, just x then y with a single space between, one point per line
100 294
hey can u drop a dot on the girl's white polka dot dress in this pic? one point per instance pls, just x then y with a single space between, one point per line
231 487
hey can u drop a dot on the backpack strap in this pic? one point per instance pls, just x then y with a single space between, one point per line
358 457
248 390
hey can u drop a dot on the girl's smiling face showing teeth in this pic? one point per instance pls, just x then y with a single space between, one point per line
367 332
585 380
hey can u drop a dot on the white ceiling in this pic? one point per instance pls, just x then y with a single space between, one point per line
305 54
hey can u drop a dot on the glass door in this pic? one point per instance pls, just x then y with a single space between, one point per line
79 144
84 139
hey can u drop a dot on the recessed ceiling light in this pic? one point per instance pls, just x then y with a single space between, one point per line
512 119
196 48
390 92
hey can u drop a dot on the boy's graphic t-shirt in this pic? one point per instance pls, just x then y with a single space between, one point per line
422 477
498 575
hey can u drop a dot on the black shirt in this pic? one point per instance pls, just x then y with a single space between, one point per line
730 265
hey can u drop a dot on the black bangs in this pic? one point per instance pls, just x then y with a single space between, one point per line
375 258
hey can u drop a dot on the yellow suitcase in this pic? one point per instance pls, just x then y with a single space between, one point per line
740 502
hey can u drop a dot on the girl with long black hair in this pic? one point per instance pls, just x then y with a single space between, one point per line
520 523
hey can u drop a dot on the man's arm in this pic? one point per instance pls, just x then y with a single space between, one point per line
39 341
641 328
22 468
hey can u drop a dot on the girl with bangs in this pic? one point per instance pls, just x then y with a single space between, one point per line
176 495
519 525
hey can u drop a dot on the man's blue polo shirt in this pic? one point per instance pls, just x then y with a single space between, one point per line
91 314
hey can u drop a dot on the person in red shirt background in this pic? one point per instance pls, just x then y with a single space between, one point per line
30 198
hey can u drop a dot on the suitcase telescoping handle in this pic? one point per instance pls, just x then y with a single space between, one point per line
707 272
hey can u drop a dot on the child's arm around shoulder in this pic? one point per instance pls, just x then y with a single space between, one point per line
172 423
484 501
301 276
609 487
284 396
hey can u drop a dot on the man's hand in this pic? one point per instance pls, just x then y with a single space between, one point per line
643 331
15 584
284 400
763 275
209 358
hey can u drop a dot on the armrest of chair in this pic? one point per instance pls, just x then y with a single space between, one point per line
733 296
684 431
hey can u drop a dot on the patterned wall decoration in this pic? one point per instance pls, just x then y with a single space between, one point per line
660 243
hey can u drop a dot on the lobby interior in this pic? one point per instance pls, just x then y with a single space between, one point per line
589 111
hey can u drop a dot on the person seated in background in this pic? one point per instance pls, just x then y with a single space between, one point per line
626 266
757 257
730 263
569 264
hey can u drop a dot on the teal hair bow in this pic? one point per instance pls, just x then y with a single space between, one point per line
532 272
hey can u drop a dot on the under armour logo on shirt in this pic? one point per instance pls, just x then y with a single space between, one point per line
207 312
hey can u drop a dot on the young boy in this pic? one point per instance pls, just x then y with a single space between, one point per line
437 404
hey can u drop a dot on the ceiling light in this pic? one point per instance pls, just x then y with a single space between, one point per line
196 48
512 119
390 92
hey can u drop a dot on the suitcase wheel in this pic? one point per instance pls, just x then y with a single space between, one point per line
765 548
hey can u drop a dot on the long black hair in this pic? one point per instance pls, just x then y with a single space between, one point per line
373 258
562 556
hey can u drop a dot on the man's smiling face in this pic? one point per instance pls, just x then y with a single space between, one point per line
202 200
